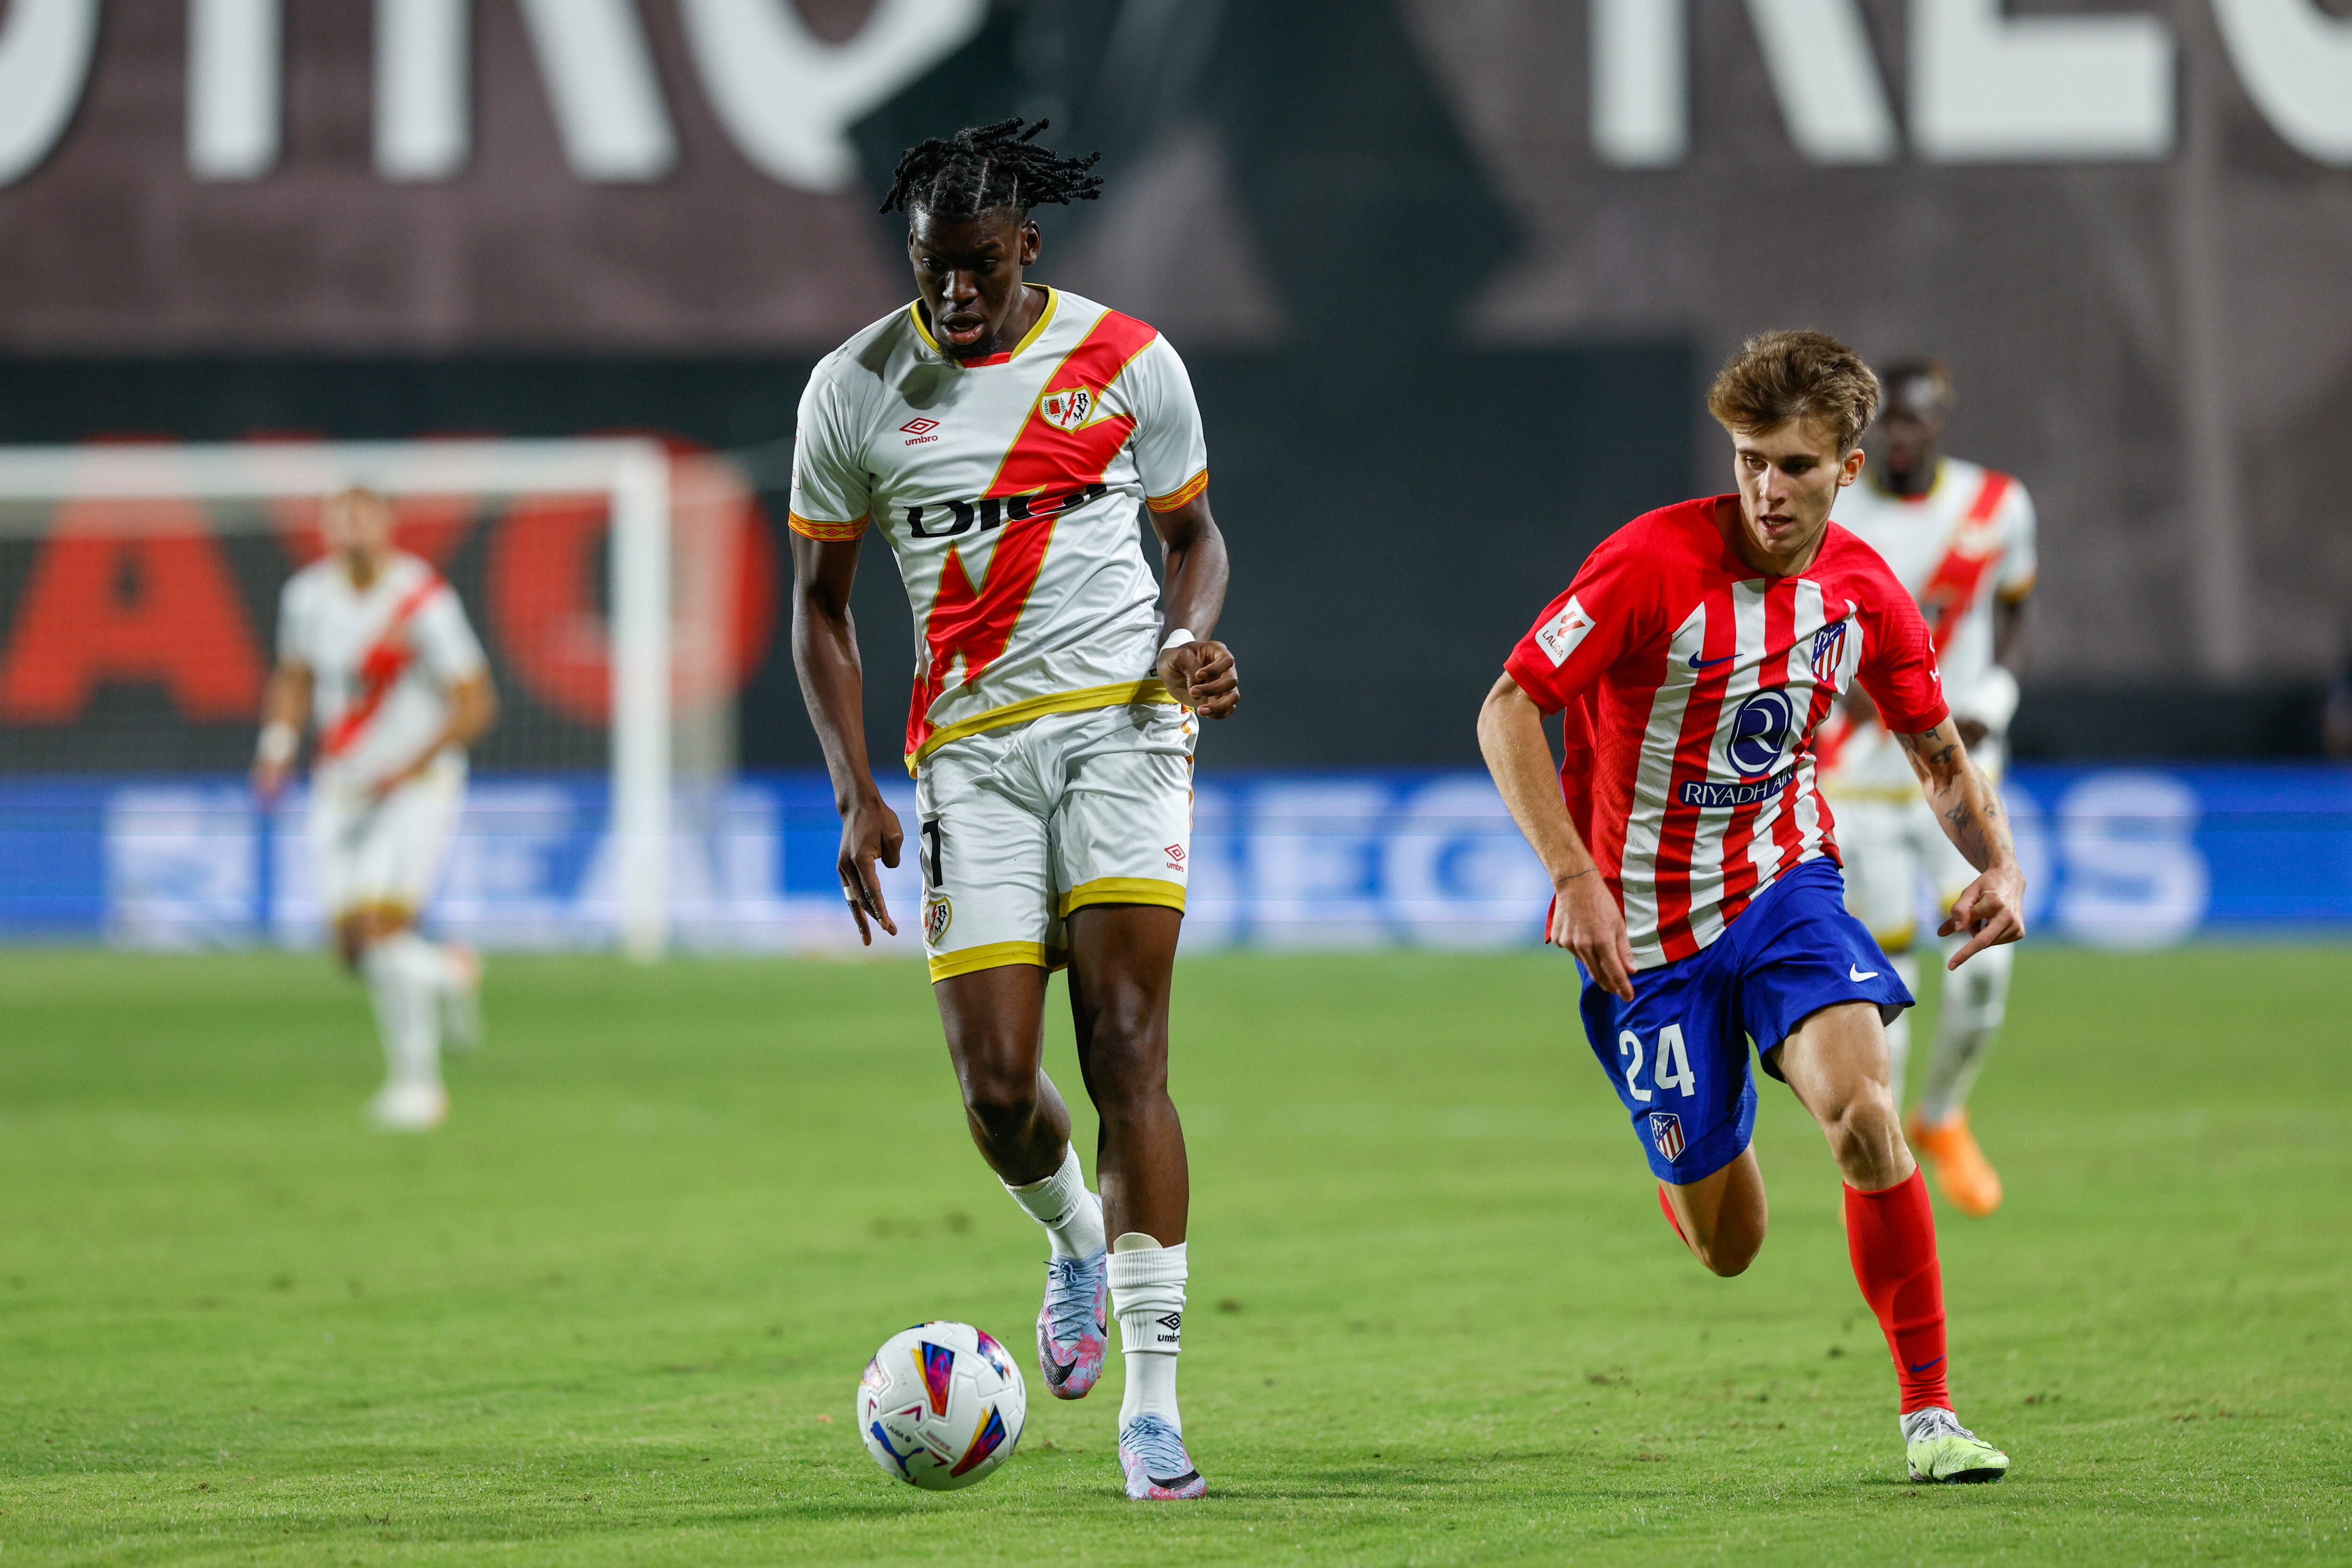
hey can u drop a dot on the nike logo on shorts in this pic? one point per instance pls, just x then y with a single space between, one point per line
1854 974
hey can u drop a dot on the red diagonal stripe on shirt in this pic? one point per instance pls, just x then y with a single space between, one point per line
1044 456
974 625
1953 588
380 669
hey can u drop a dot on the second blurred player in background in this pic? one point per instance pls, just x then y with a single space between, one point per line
374 645
1961 537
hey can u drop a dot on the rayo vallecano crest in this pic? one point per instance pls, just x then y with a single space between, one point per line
1067 408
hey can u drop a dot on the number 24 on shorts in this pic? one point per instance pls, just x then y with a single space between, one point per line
1673 1069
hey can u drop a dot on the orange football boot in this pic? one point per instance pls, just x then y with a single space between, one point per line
1967 1177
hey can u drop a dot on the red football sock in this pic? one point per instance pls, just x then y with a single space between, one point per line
1891 1236
1667 1209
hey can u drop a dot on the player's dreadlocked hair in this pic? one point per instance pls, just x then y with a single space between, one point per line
989 169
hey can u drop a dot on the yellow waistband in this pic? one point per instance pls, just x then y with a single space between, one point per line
1124 693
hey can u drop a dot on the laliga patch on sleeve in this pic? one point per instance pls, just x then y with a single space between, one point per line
1558 636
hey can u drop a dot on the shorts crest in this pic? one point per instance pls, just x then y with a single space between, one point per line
1666 1132
939 914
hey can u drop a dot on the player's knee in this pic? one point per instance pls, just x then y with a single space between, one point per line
1727 1256
1002 1099
1864 1133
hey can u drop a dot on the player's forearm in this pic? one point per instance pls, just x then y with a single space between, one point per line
1964 804
833 684
1518 754
1197 569
287 699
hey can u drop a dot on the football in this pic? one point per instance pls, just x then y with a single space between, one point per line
940 1405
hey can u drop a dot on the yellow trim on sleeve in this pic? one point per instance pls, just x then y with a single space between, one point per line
1177 496
995 956
828 531
1150 890
1125 693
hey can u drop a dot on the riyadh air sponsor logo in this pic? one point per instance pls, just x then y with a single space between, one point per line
946 519
1558 636
1708 795
1666 1132
1760 732
1068 409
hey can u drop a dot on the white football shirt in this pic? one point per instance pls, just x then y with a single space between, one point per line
1010 489
381 660
1965 543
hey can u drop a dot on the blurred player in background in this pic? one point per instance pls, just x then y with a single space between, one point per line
1695 655
1961 537
374 645
1006 437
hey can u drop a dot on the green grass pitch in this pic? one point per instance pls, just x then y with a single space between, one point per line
615 1313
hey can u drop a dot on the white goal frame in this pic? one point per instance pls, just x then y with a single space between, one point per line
635 475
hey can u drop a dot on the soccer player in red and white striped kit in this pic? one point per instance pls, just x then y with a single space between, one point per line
1694 863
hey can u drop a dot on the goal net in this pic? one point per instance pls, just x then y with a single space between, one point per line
617 587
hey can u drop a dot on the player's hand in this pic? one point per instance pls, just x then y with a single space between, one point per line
1201 676
270 781
1586 921
1991 910
869 832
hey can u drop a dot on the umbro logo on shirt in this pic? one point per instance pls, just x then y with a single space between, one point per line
920 429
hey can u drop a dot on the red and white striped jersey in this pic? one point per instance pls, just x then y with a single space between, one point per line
1693 687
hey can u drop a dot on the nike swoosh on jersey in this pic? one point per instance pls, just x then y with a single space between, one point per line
1854 974
1698 663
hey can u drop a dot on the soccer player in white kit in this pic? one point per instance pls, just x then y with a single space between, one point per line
1961 537
1005 439
374 646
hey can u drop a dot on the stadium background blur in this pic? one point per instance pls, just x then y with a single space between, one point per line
1449 278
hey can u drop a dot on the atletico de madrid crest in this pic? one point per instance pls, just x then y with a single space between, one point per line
1067 408
1666 1132
1829 652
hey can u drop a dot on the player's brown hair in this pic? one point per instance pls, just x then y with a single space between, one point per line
1780 376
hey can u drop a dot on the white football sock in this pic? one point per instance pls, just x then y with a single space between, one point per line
1976 1004
407 1010
1071 1214
1147 1291
1898 1033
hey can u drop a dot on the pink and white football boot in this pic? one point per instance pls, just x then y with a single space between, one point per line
1157 1467
1073 1323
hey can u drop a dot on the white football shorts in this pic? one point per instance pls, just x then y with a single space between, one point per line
389 851
1021 825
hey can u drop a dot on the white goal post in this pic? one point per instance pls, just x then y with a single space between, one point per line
633 476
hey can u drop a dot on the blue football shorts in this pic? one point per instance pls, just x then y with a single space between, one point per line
1679 1051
